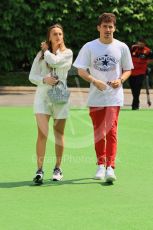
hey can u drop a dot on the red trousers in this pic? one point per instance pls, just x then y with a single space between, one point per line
105 122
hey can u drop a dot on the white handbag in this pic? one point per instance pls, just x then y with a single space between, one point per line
59 93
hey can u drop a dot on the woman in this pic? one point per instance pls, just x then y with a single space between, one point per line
53 58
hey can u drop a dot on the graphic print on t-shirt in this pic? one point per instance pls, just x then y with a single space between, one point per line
105 63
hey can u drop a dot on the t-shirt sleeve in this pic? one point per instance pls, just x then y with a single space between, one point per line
83 60
126 62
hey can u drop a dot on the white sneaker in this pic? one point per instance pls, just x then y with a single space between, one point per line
38 179
100 174
57 174
110 175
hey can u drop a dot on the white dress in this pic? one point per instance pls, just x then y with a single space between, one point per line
61 62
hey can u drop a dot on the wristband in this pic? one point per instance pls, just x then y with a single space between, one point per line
122 80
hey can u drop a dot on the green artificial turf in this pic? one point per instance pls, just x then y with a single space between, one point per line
78 202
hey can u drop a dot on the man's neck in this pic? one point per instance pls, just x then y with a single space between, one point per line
105 40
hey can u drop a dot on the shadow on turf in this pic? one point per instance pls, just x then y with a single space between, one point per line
15 184
79 181
48 183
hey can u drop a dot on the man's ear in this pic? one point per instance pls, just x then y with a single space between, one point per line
98 27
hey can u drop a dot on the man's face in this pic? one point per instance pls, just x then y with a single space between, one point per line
106 30
141 44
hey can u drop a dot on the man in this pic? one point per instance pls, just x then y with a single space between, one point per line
106 63
141 55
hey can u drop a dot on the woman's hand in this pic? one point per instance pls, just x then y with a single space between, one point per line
50 80
62 46
44 46
100 85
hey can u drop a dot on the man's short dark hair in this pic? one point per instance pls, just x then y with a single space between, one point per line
107 17
141 39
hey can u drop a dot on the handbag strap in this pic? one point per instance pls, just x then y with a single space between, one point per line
53 72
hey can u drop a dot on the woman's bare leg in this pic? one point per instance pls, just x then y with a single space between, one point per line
43 127
59 125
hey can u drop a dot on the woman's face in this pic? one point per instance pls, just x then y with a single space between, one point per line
56 36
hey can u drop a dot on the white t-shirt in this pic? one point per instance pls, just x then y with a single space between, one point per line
105 62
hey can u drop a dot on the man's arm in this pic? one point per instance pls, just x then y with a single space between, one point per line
116 83
150 57
88 77
125 75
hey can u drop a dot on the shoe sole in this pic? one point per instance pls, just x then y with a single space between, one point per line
54 179
110 179
38 180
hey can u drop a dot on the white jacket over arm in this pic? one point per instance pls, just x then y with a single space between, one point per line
62 62
35 75
60 59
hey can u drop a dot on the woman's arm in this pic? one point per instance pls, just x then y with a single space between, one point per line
60 60
35 72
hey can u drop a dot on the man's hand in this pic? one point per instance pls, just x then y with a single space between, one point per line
100 85
115 84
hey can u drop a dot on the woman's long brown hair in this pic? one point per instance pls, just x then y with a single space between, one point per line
48 35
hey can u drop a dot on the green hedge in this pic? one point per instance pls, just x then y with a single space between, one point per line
24 23
22 79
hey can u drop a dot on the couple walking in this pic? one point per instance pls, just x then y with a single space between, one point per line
104 62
